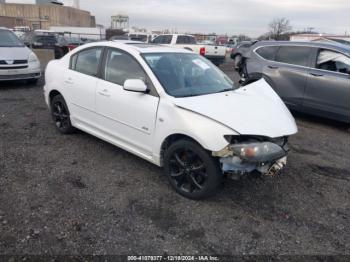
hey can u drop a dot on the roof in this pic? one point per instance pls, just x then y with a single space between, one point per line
334 46
140 47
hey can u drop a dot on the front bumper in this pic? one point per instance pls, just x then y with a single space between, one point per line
237 166
32 71
269 164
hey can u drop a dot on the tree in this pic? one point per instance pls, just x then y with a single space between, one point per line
241 38
278 28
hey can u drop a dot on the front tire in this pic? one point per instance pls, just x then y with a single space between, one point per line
191 170
61 116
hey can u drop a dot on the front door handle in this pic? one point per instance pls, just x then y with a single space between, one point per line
272 67
316 74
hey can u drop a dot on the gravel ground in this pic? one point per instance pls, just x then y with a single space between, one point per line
79 195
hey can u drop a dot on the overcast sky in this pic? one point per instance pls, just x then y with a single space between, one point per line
249 17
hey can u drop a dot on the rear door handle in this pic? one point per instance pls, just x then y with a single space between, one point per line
104 92
316 74
69 81
272 67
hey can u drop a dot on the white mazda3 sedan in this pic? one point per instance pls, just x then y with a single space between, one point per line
17 62
173 108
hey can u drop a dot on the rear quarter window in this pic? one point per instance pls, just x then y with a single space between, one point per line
86 61
294 55
267 52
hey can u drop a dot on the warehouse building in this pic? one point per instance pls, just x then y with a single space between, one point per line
43 16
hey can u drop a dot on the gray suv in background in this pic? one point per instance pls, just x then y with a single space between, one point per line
310 77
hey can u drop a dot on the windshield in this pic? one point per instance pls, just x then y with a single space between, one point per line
184 75
9 39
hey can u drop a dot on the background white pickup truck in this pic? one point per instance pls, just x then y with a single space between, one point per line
216 54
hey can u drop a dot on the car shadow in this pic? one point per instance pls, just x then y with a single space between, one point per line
326 122
19 84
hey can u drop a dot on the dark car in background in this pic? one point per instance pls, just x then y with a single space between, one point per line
36 40
310 77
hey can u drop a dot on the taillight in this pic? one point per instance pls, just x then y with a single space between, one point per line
202 51
71 47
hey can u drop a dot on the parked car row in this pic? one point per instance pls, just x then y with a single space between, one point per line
61 44
214 53
310 77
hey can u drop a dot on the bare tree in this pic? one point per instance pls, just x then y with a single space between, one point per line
278 27
242 37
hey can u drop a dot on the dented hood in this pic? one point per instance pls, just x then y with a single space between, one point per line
251 110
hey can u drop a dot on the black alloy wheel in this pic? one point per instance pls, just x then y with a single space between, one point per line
60 115
191 171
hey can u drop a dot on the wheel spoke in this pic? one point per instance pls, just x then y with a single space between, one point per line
198 168
178 160
181 173
194 182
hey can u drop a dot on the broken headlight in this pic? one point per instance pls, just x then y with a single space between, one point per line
258 152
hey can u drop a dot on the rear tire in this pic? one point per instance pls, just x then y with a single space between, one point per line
61 116
191 170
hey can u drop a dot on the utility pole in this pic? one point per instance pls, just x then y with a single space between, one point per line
39 16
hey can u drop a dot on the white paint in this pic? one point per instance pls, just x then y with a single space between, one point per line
139 123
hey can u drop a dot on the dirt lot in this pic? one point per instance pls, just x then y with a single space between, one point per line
79 195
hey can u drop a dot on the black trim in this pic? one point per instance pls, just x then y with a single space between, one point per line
13 67
15 62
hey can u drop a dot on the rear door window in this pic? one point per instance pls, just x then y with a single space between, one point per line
87 61
294 55
333 61
267 52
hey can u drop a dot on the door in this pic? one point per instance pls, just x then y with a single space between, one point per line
288 73
328 85
80 84
128 118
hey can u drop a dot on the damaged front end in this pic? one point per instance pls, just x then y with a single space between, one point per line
253 154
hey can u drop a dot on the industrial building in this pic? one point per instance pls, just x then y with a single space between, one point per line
44 14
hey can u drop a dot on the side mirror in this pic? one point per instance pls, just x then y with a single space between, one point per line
135 85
